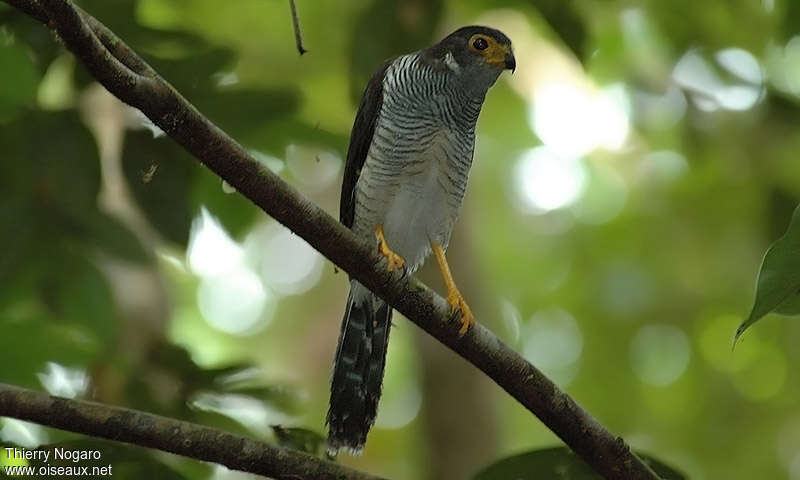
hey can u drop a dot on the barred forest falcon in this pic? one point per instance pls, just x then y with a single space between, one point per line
407 166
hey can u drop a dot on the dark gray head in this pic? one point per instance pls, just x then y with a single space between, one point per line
481 53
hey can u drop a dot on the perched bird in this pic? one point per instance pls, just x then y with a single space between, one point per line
407 166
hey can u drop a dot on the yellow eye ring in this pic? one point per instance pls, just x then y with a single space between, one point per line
480 43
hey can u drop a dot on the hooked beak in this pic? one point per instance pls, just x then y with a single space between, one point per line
510 62
501 56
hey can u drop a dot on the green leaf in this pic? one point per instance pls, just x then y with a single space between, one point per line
389 34
20 245
566 22
20 79
778 282
82 298
159 175
34 341
25 31
170 186
112 237
50 160
239 111
193 385
558 463
235 212
192 74
62 312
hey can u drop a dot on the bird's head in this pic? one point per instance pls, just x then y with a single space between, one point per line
476 51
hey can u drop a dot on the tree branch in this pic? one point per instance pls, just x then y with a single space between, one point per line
169 435
298 39
86 38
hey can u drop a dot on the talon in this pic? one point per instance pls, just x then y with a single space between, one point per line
459 305
393 260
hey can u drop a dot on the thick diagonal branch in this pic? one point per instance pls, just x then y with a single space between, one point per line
607 454
169 435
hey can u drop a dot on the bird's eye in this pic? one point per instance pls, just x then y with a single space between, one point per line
480 43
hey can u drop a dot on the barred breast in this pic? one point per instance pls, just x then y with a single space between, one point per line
415 174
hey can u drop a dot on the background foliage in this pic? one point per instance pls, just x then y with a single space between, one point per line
628 179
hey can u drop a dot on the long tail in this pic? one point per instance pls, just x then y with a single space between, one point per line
358 369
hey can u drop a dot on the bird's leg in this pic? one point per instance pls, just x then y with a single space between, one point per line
454 297
393 260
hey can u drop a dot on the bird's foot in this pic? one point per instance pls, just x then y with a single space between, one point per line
454 297
393 260
459 305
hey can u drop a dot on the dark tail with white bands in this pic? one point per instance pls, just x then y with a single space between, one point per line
358 369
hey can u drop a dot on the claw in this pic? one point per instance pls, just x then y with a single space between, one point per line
405 273
459 305
393 260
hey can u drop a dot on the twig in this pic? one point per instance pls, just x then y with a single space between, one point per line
169 435
607 454
296 24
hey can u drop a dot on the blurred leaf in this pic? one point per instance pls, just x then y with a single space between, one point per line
60 309
20 78
82 297
193 74
238 111
108 234
92 230
162 197
791 18
180 362
273 138
50 160
778 282
301 439
566 22
782 204
171 365
27 31
117 15
178 187
709 23
386 29
563 17
558 463
235 212
184 59
37 341
19 244
222 421
189 381
242 379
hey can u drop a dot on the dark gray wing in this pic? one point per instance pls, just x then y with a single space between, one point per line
360 140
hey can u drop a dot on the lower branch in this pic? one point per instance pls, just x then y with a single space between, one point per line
604 452
169 435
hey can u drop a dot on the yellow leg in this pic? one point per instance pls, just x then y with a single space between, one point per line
394 260
454 297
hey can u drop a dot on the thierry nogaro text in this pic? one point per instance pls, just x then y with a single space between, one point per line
57 454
